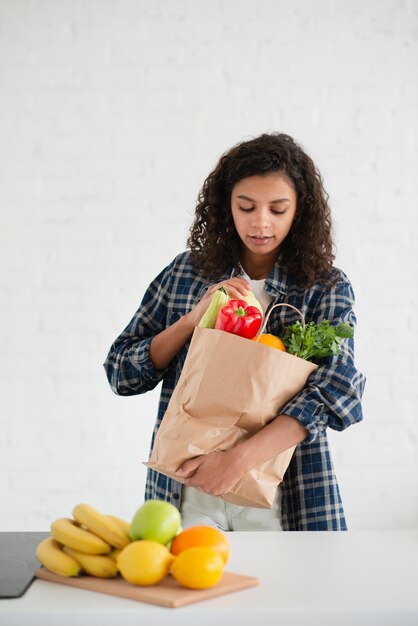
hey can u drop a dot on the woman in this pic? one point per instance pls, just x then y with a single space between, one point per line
262 221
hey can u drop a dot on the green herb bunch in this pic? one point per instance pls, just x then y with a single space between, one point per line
315 341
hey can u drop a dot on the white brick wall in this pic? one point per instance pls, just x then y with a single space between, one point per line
111 116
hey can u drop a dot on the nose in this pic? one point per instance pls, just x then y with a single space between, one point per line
261 219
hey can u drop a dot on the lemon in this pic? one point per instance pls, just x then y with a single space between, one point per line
144 562
198 568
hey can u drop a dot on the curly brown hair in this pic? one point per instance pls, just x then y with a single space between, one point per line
307 253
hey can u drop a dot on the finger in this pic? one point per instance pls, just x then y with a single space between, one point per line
236 293
188 468
211 290
237 290
240 281
184 471
238 287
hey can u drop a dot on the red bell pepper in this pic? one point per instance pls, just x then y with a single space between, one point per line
239 318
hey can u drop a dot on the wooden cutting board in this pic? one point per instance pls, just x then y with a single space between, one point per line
167 593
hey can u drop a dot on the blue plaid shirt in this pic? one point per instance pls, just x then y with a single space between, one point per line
332 396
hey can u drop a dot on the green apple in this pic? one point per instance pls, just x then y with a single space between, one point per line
155 520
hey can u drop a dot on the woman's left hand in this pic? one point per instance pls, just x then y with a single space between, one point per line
215 473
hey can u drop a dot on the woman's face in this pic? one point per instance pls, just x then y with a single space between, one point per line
263 209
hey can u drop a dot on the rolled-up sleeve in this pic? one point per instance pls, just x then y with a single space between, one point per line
128 365
332 395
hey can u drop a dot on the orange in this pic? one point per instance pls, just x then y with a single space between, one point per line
271 340
198 568
198 536
144 562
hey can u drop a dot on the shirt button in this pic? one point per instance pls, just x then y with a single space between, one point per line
175 496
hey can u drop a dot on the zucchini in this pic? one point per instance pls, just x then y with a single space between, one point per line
219 299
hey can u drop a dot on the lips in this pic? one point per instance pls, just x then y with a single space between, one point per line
259 240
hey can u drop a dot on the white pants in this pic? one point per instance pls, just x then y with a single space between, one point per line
199 508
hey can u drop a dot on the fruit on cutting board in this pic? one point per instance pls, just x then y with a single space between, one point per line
198 568
70 534
144 562
50 553
101 525
198 536
196 557
155 520
98 565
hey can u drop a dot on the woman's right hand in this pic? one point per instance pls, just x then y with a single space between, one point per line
167 344
236 288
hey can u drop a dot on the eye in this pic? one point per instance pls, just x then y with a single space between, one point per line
246 209
276 212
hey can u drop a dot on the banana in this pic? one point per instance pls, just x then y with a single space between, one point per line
67 532
219 299
94 564
100 525
123 524
115 553
51 555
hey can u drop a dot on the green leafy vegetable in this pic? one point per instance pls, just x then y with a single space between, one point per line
315 341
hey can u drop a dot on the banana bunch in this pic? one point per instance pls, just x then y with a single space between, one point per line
90 542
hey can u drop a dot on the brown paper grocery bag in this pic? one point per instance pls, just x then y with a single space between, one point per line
229 388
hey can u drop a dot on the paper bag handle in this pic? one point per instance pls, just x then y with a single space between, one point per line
261 331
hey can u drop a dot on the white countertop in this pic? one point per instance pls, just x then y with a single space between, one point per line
308 578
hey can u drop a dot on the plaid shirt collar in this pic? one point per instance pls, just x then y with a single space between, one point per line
277 282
